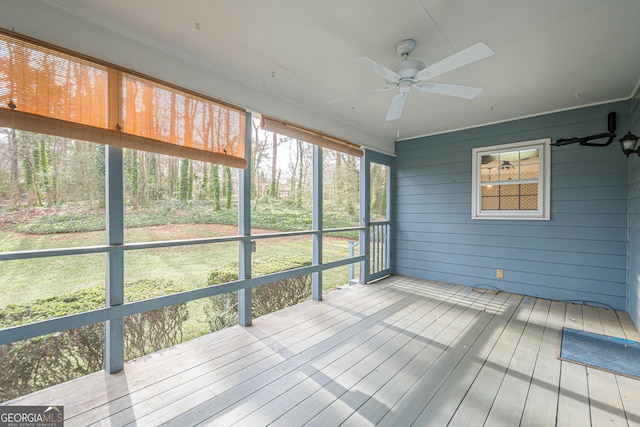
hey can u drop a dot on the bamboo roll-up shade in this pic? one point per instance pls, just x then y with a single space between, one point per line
49 126
50 90
312 137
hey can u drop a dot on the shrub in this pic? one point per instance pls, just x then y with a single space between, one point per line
64 222
51 359
274 214
222 310
153 330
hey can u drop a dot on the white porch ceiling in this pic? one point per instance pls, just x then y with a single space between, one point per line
550 54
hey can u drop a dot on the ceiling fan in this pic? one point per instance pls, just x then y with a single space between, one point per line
409 73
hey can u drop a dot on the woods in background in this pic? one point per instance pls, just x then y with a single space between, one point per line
45 171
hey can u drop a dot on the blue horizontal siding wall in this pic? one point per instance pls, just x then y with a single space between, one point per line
580 254
634 220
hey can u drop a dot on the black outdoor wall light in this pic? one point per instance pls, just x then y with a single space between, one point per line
629 144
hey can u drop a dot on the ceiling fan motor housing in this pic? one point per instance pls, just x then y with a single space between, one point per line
407 68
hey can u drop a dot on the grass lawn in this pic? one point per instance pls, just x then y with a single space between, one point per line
26 280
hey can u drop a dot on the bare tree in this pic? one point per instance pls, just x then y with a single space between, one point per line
15 171
259 155
273 187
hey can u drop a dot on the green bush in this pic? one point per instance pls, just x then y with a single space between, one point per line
222 310
153 330
64 222
273 214
43 361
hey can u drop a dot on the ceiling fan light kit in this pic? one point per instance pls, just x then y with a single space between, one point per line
408 73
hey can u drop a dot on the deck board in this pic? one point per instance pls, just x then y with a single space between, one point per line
315 387
476 404
336 412
243 356
444 384
508 406
545 381
409 389
348 363
402 351
605 402
229 389
573 401
297 356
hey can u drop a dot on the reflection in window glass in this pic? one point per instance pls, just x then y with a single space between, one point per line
521 169
511 165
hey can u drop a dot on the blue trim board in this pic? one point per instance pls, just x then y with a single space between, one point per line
616 355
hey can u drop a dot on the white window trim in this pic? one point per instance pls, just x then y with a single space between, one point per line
544 188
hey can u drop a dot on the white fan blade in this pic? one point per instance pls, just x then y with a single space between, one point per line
466 56
461 91
366 92
377 68
395 109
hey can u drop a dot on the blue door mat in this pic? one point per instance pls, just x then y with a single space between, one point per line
615 355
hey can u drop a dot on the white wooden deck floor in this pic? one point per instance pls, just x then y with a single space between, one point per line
399 352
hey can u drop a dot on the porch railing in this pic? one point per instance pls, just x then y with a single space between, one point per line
379 249
57 324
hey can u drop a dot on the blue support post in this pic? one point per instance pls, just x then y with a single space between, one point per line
365 215
316 278
114 329
389 214
245 315
352 248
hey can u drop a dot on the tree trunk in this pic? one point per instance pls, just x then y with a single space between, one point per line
273 188
215 183
15 171
300 170
228 186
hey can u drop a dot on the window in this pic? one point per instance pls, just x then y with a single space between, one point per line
512 181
